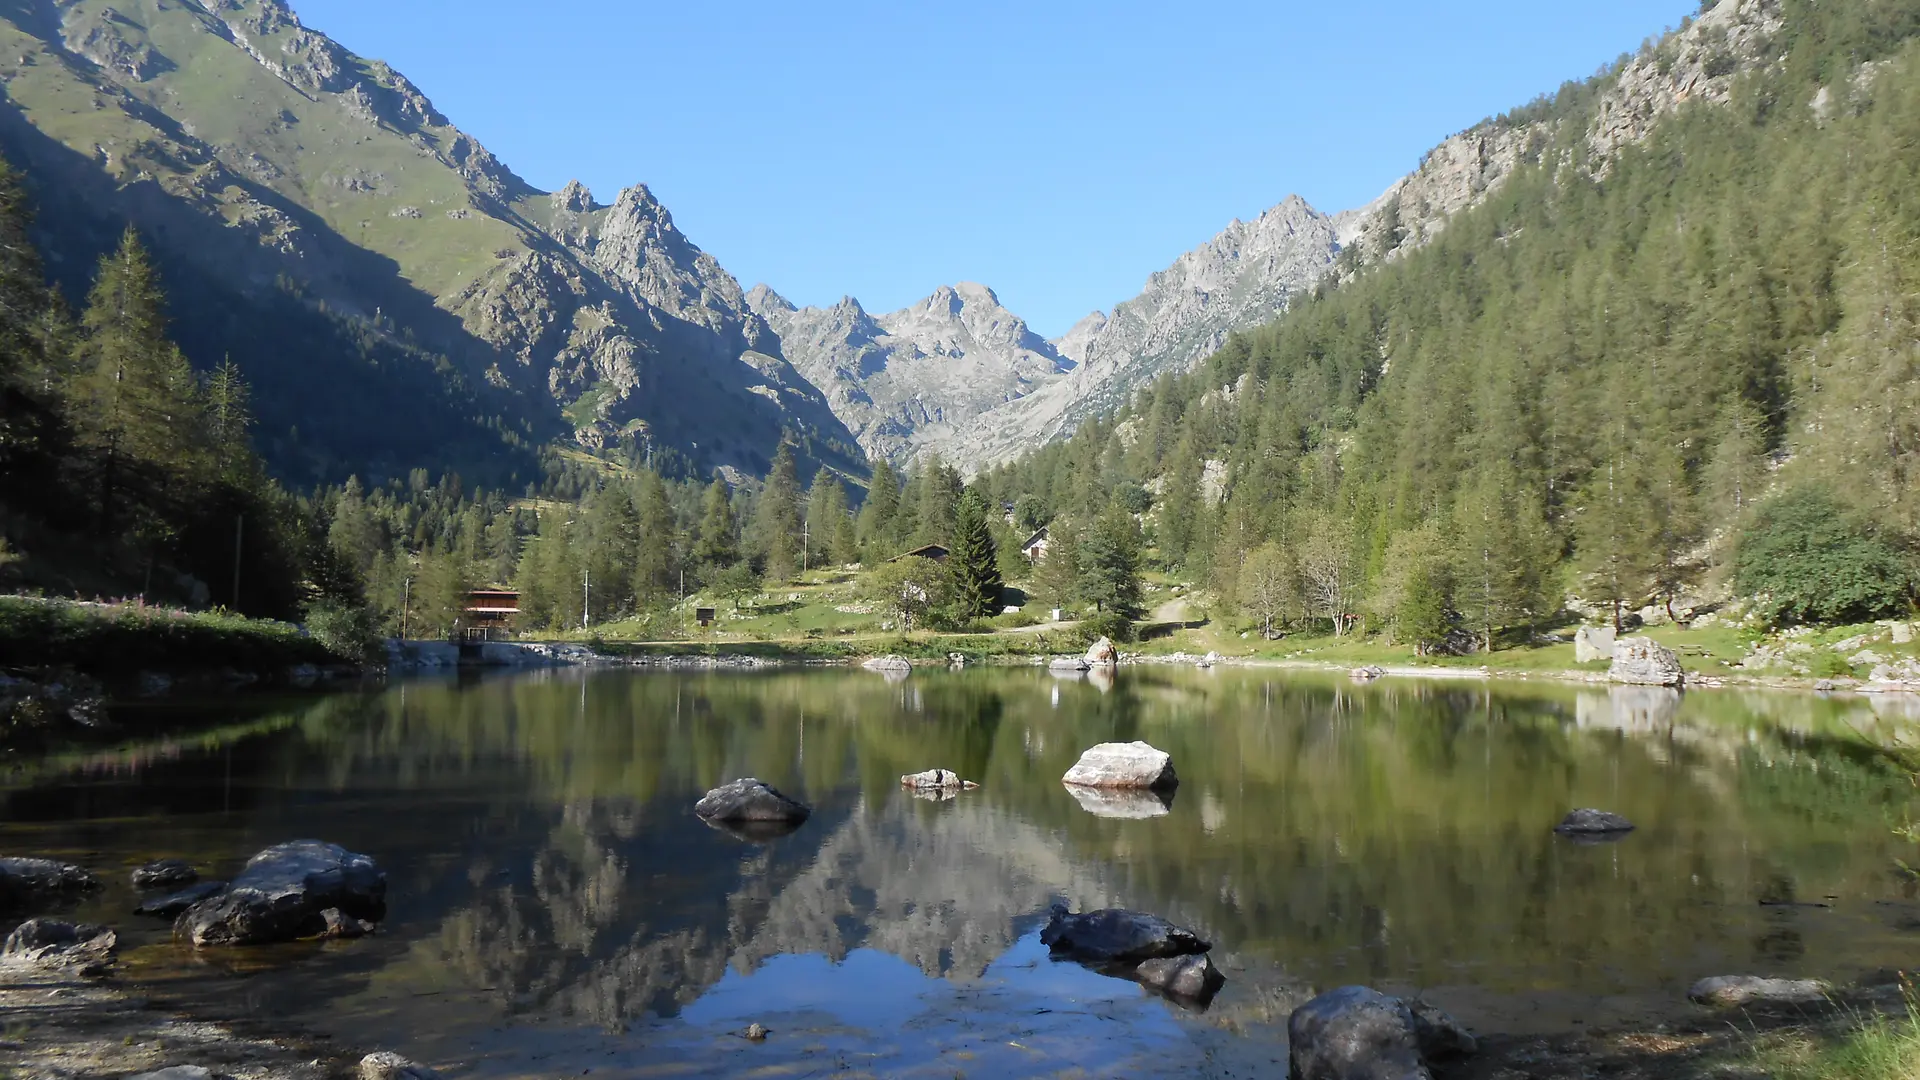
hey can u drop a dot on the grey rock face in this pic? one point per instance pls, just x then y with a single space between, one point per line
1731 990
172 904
883 664
1116 936
52 943
1591 643
1639 661
1356 1033
1589 822
1123 765
749 800
283 893
898 379
165 874
26 883
1192 978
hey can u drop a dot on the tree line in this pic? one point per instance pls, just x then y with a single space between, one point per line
1634 382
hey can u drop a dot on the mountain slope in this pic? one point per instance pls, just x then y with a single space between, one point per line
280 177
897 379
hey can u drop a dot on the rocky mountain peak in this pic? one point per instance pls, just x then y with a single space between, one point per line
573 199
767 304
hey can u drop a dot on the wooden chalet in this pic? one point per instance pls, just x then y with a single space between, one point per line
1036 546
488 614
935 552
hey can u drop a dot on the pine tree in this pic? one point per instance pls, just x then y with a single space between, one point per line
777 518
656 560
1180 503
974 560
715 546
878 514
826 517
1109 564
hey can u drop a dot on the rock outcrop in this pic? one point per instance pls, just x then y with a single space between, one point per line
1728 991
1356 1033
284 893
54 944
165 874
1123 765
1639 661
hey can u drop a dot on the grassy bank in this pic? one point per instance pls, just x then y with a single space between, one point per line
112 640
1871 1048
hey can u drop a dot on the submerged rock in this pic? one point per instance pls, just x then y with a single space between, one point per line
899 664
282 895
30 883
1123 765
387 1065
1367 673
1588 822
1114 935
1191 978
1639 661
165 874
172 904
749 799
937 780
55 944
1357 1033
1130 804
1730 990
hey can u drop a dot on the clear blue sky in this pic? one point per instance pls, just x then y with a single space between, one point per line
1056 151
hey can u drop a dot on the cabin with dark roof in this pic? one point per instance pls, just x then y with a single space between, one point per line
935 552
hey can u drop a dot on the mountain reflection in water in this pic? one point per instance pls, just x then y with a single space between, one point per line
547 875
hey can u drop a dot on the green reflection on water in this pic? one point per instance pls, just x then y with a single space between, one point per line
542 853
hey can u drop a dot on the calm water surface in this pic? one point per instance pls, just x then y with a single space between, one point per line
555 907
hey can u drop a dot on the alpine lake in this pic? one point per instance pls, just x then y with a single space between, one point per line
555 908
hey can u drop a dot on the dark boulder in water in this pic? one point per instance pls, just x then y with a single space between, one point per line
1117 936
1591 823
283 893
749 799
170 905
26 884
165 874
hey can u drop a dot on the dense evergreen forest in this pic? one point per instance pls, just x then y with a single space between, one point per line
1594 383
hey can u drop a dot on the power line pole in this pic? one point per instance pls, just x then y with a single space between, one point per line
586 581
406 602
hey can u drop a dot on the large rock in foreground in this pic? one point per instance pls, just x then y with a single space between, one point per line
26 884
749 799
283 894
1356 1033
1190 978
1639 661
54 944
1102 653
1123 765
1732 990
1115 936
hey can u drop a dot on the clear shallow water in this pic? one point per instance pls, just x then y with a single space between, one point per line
555 906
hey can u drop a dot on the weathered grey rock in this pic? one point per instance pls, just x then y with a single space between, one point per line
1591 643
1208 660
1440 1036
1902 633
26 883
282 894
165 874
1132 804
1367 673
1068 663
889 664
1639 661
937 780
1589 822
1191 977
1102 653
749 799
172 904
1355 1033
1730 990
52 943
1123 765
387 1065
1113 935
177 1072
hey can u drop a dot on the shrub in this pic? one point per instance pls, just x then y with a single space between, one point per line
346 630
1808 562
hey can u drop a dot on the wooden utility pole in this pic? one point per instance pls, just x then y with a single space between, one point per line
238 521
586 583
